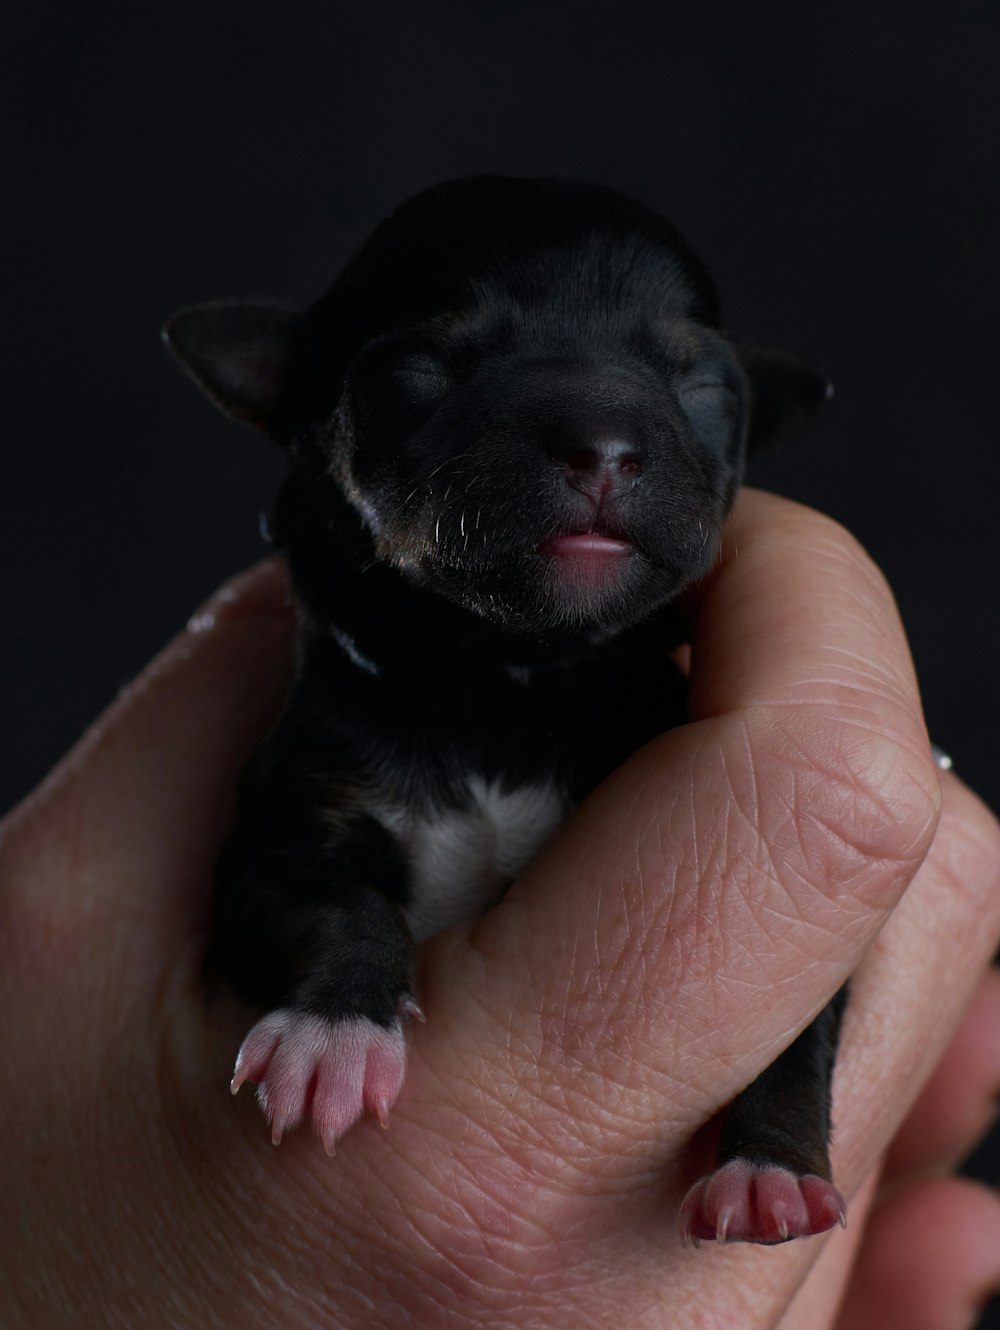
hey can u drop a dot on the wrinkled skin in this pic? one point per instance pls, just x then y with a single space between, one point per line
684 925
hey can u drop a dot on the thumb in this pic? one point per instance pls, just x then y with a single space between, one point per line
128 825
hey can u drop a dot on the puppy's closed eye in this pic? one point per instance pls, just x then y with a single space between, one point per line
405 379
421 370
713 406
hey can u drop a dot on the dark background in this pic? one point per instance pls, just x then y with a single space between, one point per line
836 166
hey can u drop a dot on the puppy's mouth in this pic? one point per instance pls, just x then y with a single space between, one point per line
585 545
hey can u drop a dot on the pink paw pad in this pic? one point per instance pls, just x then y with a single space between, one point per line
744 1202
330 1071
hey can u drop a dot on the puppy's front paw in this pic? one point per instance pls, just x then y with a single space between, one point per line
329 1070
748 1202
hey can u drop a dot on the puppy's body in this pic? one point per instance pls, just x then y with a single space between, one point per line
514 432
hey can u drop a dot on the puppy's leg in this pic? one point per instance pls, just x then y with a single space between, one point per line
333 1046
302 930
772 1177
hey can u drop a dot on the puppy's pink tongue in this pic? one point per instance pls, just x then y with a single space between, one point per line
585 544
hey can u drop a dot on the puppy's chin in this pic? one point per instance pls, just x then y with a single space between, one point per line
580 588
592 580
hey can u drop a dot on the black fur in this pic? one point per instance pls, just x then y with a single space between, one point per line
504 363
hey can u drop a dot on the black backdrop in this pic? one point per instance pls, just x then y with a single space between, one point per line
837 167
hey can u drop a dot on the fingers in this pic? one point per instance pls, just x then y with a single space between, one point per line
930 1259
129 822
959 1102
917 981
710 897
907 998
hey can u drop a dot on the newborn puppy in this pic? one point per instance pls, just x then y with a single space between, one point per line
513 433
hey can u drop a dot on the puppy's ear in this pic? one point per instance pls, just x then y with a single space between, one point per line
784 393
241 355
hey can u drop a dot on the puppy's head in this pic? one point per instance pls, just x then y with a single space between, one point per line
517 395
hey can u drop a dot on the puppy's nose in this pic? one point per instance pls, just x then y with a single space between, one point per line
599 467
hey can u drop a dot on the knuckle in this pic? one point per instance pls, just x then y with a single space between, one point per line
854 810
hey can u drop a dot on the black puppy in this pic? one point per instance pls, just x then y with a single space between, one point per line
514 432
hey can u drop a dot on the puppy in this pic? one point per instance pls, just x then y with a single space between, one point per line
513 431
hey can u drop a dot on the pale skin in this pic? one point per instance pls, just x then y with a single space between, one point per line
685 924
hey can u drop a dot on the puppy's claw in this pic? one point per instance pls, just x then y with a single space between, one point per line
409 1010
255 1054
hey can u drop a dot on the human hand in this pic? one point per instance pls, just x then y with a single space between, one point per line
683 927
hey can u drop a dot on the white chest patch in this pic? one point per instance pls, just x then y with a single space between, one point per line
461 859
